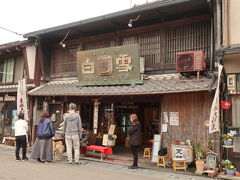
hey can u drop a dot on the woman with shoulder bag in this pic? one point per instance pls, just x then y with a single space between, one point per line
134 136
42 149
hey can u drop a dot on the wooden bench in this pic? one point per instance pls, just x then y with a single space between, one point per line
9 141
102 149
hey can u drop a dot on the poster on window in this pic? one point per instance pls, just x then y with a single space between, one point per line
22 98
14 117
174 118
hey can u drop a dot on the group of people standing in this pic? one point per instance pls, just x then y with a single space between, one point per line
72 130
42 149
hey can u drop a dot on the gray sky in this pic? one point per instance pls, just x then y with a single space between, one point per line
25 16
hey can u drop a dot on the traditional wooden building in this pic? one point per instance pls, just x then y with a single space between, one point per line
178 97
17 61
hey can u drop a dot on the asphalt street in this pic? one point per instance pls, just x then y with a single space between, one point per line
91 170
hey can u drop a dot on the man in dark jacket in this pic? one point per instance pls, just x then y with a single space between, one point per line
72 130
134 135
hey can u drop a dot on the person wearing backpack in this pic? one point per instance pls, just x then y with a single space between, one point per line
42 149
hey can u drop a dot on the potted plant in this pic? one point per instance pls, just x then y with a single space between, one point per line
230 170
227 165
199 155
227 139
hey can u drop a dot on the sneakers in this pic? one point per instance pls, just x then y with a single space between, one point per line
18 159
77 163
133 167
69 162
25 159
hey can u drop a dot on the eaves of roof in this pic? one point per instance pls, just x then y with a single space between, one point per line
13 88
157 84
107 17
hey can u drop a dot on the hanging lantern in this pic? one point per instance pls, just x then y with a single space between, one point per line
225 104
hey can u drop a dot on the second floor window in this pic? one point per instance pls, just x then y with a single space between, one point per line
64 59
6 70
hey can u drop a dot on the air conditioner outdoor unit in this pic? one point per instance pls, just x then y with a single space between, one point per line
191 61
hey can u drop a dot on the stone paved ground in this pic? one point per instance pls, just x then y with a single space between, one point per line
92 170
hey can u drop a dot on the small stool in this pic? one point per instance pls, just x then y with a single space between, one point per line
162 161
179 164
147 153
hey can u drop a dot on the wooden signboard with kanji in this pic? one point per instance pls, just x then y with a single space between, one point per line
109 66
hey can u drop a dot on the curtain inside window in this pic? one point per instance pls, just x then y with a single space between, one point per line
236 111
4 69
9 70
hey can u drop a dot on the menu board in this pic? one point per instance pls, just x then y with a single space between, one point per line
182 151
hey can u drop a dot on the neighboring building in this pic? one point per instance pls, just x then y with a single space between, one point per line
228 53
16 63
161 29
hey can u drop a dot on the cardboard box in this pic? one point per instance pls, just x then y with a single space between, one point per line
109 140
111 129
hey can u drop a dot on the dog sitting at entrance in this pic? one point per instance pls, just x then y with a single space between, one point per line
58 149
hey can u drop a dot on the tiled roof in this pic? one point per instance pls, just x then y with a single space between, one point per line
155 84
12 44
13 88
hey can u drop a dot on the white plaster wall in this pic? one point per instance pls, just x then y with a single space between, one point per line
31 60
234 21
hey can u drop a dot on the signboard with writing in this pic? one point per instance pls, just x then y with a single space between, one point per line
109 66
22 98
182 152
211 161
174 118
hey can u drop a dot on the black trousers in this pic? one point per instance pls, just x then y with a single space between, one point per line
134 149
21 142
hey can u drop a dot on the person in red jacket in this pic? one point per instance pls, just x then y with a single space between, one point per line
134 135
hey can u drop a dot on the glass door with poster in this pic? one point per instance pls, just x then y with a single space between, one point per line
6 117
123 121
234 114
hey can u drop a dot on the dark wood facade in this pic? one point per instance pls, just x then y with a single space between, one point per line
13 67
159 40
158 45
194 111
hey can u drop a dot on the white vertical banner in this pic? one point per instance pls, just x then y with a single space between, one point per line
214 121
22 98
95 116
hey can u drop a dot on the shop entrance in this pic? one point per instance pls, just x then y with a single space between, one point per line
123 122
8 115
148 115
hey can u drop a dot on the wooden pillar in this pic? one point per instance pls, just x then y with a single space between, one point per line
30 118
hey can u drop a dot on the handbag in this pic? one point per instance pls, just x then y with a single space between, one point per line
51 133
127 142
